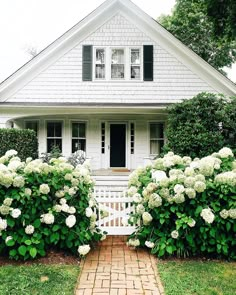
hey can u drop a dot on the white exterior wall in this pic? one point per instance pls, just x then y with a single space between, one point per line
93 136
62 81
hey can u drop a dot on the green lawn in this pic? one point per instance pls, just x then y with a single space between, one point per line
198 277
38 279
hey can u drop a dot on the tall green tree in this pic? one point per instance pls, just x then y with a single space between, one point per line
190 23
223 15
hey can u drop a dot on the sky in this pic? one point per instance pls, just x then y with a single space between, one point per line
37 23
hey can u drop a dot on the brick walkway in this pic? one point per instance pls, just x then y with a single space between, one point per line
113 268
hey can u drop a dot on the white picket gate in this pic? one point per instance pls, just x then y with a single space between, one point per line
118 207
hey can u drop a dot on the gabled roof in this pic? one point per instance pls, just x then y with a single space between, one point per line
95 19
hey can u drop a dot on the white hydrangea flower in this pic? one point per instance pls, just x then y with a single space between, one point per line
164 193
158 175
44 189
137 198
15 213
179 189
207 215
228 177
179 198
72 191
103 237
62 201
224 214
147 218
190 192
199 186
154 201
132 190
187 160
11 153
70 221
75 182
57 208
47 218
232 213
151 187
68 176
7 202
149 244
83 250
191 223
3 224
189 171
5 210
140 209
88 212
65 208
60 194
225 153
29 230
71 210
124 221
174 234
18 181
14 165
133 242
28 192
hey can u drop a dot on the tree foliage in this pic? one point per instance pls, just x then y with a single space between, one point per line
223 15
190 23
201 125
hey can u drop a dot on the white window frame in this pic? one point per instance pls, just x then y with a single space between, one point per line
140 65
71 133
49 137
95 63
158 139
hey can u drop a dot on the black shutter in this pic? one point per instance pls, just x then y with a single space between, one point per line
87 63
148 62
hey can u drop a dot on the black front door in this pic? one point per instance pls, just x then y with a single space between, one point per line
117 145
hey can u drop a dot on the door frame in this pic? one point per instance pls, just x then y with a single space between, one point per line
109 123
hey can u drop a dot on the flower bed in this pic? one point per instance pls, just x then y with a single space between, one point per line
186 207
44 205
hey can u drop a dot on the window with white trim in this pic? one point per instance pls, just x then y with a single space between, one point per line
32 125
156 138
78 136
100 63
135 64
54 136
117 63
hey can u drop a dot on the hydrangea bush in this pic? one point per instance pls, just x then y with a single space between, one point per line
45 205
186 207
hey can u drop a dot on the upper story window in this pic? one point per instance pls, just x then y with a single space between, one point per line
100 69
135 64
117 63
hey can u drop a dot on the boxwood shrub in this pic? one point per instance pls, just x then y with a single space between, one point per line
186 207
25 142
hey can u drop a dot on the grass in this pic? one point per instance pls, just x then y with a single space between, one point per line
198 277
38 279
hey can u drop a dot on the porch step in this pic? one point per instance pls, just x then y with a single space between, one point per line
110 183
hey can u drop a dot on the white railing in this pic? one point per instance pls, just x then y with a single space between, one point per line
114 209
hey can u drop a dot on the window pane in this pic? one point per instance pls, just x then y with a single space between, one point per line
117 56
81 130
156 146
75 131
135 72
52 143
135 56
156 130
78 144
100 72
100 56
117 71
54 129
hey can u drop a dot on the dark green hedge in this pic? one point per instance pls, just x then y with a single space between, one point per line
25 142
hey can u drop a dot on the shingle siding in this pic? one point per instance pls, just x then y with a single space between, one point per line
62 81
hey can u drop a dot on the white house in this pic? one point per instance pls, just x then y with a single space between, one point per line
104 87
